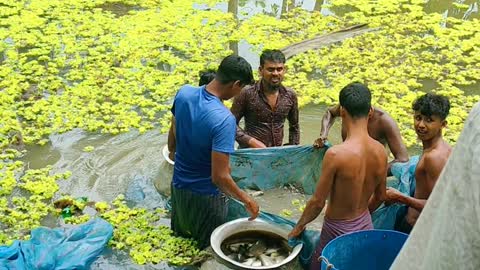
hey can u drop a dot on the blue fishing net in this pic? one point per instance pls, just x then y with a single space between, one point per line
73 248
267 168
385 217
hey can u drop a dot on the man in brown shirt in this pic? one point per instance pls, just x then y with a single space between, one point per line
265 106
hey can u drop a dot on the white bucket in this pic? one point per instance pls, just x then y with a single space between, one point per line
165 153
244 225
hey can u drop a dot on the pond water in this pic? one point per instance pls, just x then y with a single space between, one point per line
132 163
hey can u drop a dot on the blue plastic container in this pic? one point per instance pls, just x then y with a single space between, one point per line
364 250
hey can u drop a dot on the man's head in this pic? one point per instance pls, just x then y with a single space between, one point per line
234 73
272 68
430 113
356 100
206 76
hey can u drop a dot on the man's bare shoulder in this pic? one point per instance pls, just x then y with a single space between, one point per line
376 146
335 152
340 153
385 119
437 157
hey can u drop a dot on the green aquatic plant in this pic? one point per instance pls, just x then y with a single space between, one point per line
137 230
412 52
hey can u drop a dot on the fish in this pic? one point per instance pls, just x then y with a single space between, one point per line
249 262
266 261
257 263
256 249
279 259
256 252
271 251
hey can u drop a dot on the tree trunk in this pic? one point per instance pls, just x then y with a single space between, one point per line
287 5
233 8
318 5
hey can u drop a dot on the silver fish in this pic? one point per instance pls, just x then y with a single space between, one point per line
256 249
249 262
266 261
279 259
257 263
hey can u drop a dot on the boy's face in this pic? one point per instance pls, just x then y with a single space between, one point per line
427 127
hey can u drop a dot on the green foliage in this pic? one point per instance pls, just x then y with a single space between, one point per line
411 53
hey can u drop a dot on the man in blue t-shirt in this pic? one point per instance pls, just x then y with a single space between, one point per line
202 136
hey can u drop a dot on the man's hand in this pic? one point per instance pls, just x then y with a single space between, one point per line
254 143
296 232
252 207
171 156
320 142
393 196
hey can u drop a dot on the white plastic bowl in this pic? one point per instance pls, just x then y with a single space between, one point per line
165 153
242 225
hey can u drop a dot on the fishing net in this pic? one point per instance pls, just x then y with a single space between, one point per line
385 217
267 168
73 248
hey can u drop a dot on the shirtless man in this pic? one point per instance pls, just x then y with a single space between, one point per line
381 127
352 172
431 110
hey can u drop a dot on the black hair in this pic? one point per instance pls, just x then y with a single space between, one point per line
276 56
206 76
235 68
356 99
432 104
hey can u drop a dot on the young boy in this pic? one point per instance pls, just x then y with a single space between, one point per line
352 172
430 112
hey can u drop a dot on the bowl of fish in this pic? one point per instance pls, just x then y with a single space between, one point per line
257 244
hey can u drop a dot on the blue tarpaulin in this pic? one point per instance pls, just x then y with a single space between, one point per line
385 216
272 167
60 248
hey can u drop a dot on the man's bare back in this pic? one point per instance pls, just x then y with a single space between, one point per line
353 175
361 168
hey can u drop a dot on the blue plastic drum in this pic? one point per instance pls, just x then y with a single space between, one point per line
364 250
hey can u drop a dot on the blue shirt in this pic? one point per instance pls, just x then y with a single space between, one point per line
203 125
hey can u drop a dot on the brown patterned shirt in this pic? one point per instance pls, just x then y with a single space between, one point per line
263 123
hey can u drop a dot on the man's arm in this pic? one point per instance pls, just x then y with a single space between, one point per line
294 130
395 143
223 180
380 193
327 122
315 205
171 142
238 110
395 196
328 119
